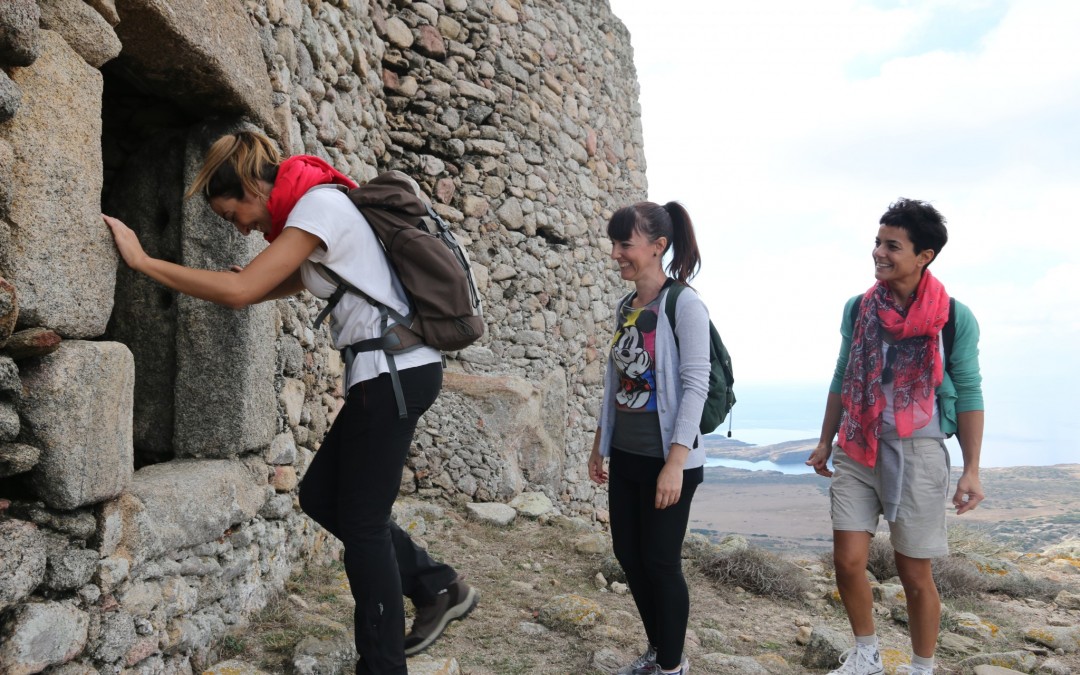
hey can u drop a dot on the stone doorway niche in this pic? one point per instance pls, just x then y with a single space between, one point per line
204 374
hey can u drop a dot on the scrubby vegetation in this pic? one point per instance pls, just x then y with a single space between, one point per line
758 571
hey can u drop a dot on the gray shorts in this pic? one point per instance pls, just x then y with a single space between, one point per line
919 529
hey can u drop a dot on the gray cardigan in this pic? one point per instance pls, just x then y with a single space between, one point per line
682 379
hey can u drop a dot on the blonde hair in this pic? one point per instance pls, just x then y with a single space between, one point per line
235 165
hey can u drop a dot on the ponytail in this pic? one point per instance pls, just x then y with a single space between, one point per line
235 165
685 258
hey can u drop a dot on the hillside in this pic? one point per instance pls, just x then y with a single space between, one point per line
997 599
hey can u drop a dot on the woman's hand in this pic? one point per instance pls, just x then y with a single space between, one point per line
127 242
596 467
819 459
669 485
968 494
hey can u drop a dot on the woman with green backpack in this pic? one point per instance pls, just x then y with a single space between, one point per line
655 389
352 483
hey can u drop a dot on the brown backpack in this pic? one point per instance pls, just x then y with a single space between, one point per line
444 303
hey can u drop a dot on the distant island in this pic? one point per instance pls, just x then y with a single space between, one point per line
788 452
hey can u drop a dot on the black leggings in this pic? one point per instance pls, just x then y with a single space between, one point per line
350 488
648 544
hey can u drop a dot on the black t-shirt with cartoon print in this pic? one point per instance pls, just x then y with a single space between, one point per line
633 352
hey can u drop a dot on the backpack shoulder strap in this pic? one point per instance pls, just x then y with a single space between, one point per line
673 291
948 332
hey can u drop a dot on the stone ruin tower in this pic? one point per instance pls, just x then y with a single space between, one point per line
151 444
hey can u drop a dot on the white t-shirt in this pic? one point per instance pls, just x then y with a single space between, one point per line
888 415
355 254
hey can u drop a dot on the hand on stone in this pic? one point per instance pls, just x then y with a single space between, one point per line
127 242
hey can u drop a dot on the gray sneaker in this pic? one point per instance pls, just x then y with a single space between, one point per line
684 668
642 665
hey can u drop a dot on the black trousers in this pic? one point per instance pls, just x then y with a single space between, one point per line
350 488
648 544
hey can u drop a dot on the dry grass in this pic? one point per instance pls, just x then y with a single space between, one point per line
758 571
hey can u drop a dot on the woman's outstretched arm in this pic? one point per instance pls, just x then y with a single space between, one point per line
272 273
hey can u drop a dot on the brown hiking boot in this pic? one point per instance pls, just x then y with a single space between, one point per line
452 603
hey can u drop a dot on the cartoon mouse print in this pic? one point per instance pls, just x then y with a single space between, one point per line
633 361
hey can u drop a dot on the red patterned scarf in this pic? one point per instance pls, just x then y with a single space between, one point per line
295 176
917 370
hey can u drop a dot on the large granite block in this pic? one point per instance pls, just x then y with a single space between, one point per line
203 55
179 504
76 408
53 246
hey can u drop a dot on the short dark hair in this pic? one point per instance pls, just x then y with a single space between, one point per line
924 224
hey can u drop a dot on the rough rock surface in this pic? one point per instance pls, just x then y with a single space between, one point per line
66 262
76 408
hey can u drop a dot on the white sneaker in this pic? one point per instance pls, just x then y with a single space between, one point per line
860 660
912 669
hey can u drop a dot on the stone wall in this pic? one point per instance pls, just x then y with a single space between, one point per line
151 444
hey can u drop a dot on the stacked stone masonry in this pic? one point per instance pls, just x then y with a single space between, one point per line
151 444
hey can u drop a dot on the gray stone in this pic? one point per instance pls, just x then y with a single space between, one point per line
112 635
83 28
10 385
282 450
529 420
532 504
492 513
1065 638
55 250
40 634
19 41
10 101
70 568
9 299
107 9
725 663
826 646
612 570
593 544
202 55
22 551
9 422
1016 660
570 613
183 503
16 458
225 358
277 506
77 403
1067 600
313 656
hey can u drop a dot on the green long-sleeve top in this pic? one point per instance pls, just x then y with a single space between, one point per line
961 389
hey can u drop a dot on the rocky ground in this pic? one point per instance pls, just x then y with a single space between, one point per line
551 602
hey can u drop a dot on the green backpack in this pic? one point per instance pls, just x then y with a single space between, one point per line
721 396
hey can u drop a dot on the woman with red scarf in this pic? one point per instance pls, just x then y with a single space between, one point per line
899 389
351 484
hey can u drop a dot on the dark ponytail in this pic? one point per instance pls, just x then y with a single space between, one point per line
654 221
686 258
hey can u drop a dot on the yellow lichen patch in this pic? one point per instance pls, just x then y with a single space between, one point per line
774 663
1043 637
892 659
990 569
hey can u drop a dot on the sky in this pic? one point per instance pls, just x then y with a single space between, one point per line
787 127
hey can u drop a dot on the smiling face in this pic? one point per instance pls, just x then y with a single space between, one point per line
247 215
895 260
637 257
